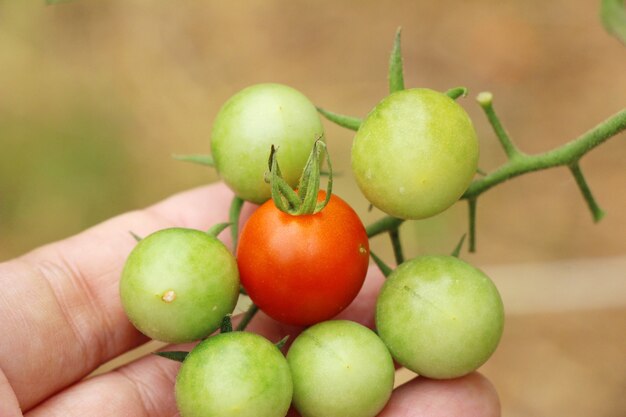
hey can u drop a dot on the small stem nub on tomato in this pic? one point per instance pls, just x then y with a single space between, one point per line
304 200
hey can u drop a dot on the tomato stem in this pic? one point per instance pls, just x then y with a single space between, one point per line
200 159
234 213
394 235
383 225
457 250
384 268
349 122
472 223
176 355
595 209
563 155
217 229
247 317
485 99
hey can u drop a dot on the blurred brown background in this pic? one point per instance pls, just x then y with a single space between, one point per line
96 96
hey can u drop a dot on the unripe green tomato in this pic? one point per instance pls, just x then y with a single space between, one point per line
415 154
249 123
178 284
439 316
234 374
340 369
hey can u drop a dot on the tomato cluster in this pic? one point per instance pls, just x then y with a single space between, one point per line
413 157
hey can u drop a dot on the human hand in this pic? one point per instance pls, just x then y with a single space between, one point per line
62 318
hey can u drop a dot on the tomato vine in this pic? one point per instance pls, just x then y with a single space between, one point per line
518 162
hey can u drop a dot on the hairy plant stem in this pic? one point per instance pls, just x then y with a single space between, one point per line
394 235
383 225
457 249
471 205
595 209
565 155
384 268
485 100
217 229
234 213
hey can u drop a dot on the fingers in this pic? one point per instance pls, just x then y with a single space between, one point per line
62 315
146 388
9 406
469 396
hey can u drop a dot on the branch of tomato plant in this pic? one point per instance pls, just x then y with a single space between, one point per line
457 250
568 154
234 213
518 162
217 229
485 99
384 268
394 235
387 270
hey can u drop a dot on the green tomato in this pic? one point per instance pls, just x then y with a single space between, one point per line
340 369
234 374
178 284
439 316
415 154
249 123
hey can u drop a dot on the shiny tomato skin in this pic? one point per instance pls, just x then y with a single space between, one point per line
303 269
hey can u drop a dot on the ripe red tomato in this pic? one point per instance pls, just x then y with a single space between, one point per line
303 269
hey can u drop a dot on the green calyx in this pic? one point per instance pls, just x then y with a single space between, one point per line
303 200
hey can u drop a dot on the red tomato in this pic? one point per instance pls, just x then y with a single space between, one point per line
303 269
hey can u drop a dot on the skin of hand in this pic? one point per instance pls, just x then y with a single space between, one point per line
62 318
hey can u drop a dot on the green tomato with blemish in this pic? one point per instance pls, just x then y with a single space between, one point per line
415 153
249 123
178 284
340 369
439 316
236 374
